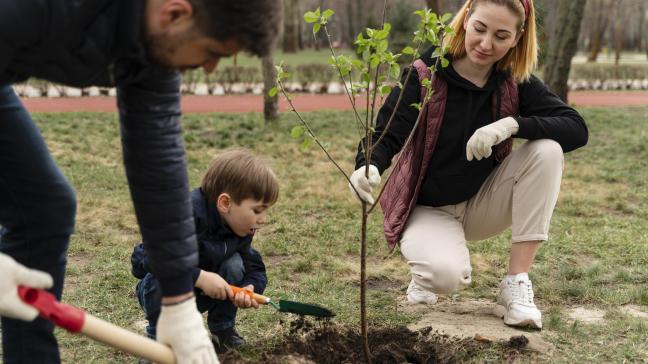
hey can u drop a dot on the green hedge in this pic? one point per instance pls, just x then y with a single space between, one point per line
598 71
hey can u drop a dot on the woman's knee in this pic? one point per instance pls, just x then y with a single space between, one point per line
441 276
546 150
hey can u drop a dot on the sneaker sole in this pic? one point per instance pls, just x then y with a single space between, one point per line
500 311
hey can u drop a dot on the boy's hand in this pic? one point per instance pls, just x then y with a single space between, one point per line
242 300
214 286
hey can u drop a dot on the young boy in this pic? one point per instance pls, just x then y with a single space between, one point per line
228 208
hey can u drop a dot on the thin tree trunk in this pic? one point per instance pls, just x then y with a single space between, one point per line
563 46
618 35
291 26
351 22
270 103
601 9
434 5
363 286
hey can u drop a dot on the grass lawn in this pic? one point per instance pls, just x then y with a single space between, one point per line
597 256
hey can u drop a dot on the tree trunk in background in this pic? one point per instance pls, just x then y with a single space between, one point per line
270 103
618 34
350 22
544 15
600 14
641 16
291 26
434 5
562 46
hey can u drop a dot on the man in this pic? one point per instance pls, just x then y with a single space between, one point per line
137 46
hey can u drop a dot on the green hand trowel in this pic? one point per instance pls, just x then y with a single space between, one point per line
287 306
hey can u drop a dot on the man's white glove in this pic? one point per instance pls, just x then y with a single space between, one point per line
13 274
181 327
363 184
481 143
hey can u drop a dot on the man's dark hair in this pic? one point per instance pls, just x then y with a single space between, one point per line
254 24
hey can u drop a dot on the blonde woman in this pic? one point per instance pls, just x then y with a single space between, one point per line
459 180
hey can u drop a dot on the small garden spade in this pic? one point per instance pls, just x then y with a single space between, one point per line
287 306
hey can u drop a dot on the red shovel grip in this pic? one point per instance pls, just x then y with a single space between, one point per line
61 314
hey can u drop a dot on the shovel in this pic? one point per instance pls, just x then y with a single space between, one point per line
75 320
287 306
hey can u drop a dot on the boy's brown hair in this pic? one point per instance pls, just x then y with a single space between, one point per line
242 175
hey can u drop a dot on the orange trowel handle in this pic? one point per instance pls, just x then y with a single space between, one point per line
257 297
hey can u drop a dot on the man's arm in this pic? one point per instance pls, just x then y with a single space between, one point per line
21 25
155 164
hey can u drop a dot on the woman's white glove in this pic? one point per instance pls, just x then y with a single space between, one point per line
482 141
13 274
363 184
181 327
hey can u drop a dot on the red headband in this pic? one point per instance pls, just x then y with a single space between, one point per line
525 4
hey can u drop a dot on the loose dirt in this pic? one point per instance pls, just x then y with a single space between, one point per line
448 332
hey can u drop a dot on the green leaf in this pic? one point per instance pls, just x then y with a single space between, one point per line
306 144
408 50
394 70
444 62
446 17
316 28
365 55
297 131
382 46
375 61
417 106
381 34
385 89
273 91
327 13
311 17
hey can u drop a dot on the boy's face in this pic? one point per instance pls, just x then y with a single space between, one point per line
244 218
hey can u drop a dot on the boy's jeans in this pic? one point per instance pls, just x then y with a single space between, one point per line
37 208
221 315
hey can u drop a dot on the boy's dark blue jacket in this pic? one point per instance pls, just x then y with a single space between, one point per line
216 243
101 43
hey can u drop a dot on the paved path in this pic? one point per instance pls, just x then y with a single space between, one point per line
303 102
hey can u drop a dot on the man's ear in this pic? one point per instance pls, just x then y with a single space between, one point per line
176 12
223 203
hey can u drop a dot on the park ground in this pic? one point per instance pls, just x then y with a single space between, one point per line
590 277
303 102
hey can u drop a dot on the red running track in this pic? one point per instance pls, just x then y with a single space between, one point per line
303 102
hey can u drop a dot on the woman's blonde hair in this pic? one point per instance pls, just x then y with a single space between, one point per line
242 175
521 60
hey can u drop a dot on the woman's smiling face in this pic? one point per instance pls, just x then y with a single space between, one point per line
491 31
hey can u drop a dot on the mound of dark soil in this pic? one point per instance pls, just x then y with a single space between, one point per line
323 342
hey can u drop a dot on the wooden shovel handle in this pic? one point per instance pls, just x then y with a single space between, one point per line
261 299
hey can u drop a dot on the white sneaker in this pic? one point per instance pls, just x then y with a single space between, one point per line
417 294
515 302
